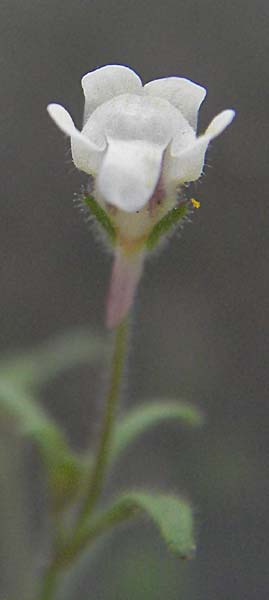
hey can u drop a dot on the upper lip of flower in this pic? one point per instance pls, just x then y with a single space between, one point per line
130 132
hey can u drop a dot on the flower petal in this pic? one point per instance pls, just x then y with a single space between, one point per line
138 130
105 83
137 117
86 154
129 173
219 123
184 94
187 165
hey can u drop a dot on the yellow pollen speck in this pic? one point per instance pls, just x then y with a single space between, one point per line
195 203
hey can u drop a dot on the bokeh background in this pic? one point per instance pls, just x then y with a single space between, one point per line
200 328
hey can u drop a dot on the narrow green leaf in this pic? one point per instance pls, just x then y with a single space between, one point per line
171 515
137 421
30 417
101 216
52 357
165 224
64 468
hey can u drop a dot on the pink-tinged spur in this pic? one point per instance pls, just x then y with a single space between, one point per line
139 143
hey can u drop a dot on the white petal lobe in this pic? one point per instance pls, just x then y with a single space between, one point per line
219 123
188 164
86 154
62 118
182 93
105 83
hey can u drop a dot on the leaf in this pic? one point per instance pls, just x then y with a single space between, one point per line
30 416
171 515
149 415
52 357
65 470
166 224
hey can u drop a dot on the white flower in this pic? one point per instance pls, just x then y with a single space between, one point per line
140 145
132 134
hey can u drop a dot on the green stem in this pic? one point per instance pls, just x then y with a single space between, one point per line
101 460
50 582
99 525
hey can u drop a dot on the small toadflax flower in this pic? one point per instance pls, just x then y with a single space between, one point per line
139 143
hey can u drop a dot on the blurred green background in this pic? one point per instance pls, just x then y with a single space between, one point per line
200 321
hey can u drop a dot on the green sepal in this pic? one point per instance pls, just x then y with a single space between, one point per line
165 224
101 216
171 515
138 420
